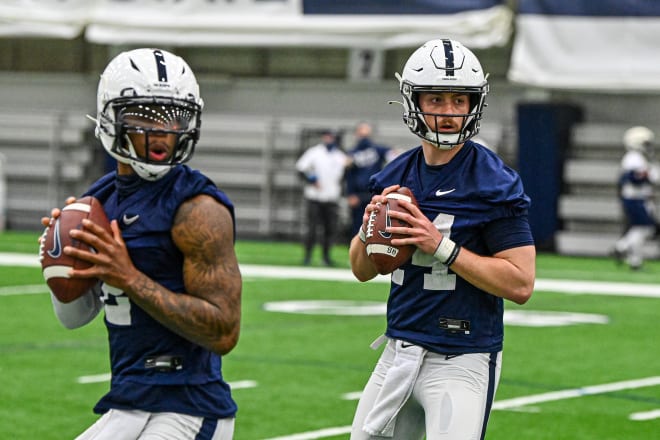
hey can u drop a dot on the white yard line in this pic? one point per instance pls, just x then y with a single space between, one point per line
105 377
312 435
647 415
513 404
577 392
308 273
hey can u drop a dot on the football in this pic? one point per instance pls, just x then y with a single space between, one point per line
382 253
54 263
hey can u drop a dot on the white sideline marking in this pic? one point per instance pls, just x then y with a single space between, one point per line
242 384
307 273
598 288
95 378
514 404
355 395
30 289
643 416
577 392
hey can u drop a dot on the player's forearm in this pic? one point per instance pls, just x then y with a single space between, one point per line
511 279
214 326
361 265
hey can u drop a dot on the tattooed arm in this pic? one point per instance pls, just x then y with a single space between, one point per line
209 315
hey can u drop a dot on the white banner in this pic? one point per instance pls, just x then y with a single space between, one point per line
587 53
246 23
44 18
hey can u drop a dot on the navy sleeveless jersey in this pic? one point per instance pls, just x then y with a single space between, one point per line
145 212
472 200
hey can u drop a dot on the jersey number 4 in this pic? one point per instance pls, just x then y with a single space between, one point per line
439 278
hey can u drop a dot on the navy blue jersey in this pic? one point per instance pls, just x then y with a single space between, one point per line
368 159
479 203
139 345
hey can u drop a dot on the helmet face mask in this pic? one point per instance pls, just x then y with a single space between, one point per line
443 66
147 97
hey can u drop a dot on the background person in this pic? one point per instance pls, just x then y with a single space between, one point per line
170 283
636 194
366 159
322 166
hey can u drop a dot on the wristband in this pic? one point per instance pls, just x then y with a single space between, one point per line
453 256
447 251
362 235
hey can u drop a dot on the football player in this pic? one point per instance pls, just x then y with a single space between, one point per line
636 193
438 373
170 284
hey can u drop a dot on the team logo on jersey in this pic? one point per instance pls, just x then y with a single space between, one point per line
56 251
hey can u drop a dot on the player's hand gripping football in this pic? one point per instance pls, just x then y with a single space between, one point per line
421 233
110 263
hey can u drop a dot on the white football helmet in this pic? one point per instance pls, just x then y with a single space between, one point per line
443 65
158 88
638 139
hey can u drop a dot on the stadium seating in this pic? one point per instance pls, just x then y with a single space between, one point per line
46 157
589 208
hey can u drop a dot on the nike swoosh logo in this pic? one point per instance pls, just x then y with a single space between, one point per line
406 345
130 220
56 251
440 193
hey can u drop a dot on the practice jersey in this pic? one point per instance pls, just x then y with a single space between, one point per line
636 183
154 369
479 203
368 159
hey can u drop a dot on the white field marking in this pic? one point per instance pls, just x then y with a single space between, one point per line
29 289
355 395
105 377
20 260
577 392
598 288
306 273
95 378
529 318
312 435
515 404
643 416
242 384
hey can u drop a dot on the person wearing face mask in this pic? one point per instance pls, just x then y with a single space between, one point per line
322 169
169 281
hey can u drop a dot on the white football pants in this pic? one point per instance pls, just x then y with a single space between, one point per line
632 244
449 399
141 425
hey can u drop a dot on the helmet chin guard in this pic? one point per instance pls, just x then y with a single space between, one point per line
148 92
441 66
